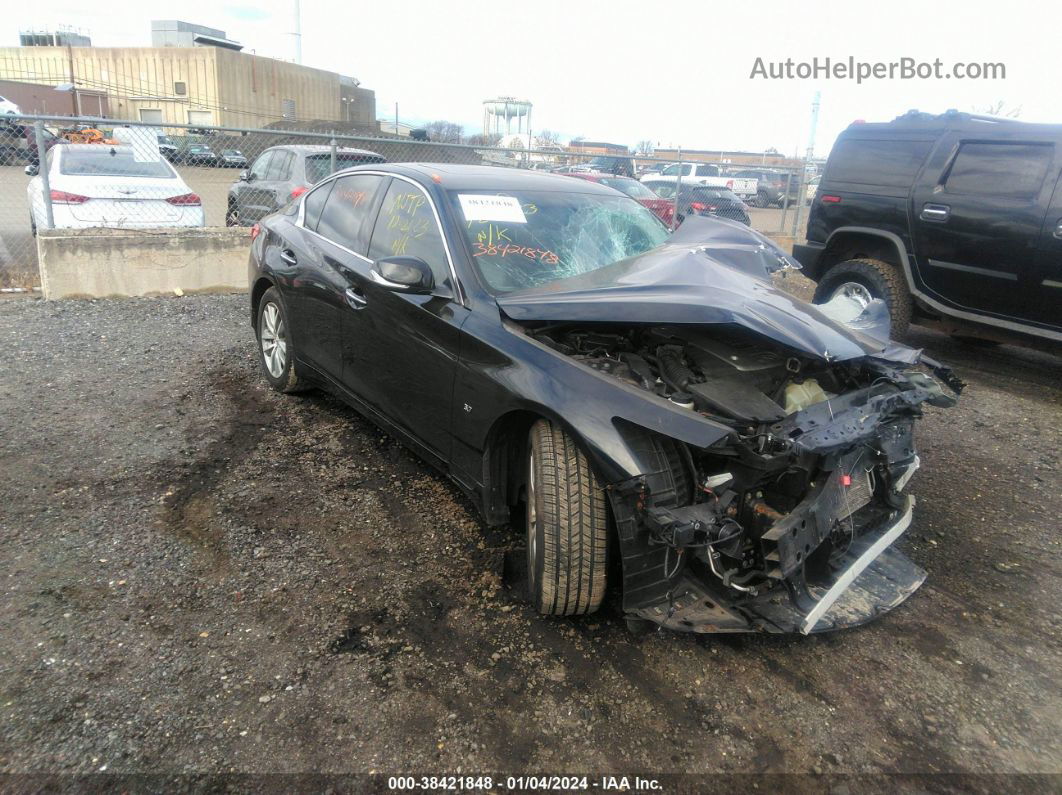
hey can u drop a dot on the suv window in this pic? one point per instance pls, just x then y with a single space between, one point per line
707 171
346 210
671 171
261 165
407 226
1014 170
280 166
313 204
891 164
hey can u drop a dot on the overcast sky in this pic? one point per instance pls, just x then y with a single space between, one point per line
674 73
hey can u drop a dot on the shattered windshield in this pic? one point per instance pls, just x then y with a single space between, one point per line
524 239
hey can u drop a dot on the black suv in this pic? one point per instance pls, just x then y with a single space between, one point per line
954 220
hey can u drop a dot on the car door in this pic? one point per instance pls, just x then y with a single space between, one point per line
977 221
1044 304
249 193
407 345
336 219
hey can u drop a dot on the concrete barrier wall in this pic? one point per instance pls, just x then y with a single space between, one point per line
97 263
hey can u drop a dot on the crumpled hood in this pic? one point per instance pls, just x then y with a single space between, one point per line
683 282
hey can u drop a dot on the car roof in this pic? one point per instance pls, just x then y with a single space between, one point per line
464 177
314 149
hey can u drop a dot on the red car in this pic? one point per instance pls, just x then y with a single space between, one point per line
664 209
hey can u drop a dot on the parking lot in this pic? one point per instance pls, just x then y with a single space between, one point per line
18 250
205 576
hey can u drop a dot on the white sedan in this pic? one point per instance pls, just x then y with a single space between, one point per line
112 185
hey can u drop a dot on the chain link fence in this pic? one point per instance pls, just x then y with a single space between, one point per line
125 174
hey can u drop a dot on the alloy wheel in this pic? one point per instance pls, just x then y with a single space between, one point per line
273 340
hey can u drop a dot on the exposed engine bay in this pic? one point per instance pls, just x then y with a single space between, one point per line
792 500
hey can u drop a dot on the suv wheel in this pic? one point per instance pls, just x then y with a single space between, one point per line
865 279
761 200
232 215
567 525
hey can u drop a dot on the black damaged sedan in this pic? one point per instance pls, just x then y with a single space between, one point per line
663 417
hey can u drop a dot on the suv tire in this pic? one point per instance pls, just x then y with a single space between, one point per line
232 214
567 525
762 200
879 279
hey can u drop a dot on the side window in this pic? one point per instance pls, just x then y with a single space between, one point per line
1012 170
261 165
671 171
346 209
406 226
707 171
313 204
892 164
280 166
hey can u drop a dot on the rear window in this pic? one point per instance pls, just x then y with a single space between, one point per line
111 161
320 166
631 187
891 164
999 169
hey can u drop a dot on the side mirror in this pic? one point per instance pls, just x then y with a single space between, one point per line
31 170
406 274
245 176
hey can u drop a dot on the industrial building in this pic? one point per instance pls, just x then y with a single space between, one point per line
194 75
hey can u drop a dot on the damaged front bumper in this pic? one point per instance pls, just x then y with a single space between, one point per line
872 580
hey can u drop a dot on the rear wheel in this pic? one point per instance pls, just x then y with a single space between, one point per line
567 525
761 200
864 280
276 352
232 215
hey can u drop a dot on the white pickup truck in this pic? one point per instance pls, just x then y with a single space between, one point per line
705 174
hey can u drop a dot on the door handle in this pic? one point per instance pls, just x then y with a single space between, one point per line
355 299
288 256
935 212
1058 229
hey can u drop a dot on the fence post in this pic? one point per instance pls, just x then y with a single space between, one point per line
42 169
332 143
785 201
801 190
678 188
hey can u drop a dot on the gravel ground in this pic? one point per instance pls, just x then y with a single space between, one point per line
203 576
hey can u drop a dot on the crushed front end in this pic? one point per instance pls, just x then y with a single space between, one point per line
786 523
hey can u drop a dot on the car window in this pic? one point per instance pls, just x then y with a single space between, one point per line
407 227
111 161
631 187
320 166
280 166
346 210
261 165
707 171
664 190
886 163
547 236
671 171
999 169
314 203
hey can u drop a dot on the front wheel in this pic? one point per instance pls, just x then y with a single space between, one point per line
864 280
567 525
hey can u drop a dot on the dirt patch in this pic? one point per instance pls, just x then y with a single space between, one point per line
203 576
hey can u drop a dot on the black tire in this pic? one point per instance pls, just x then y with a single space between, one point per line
567 526
277 362
761 201
881 280
232 214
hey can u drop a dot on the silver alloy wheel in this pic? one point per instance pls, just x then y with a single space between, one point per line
273 340
532 520
854 290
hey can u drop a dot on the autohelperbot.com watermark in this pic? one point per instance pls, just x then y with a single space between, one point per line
851 68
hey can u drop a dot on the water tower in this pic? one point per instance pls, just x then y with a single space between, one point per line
499 115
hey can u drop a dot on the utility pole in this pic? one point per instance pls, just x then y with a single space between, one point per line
298 32
802 190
